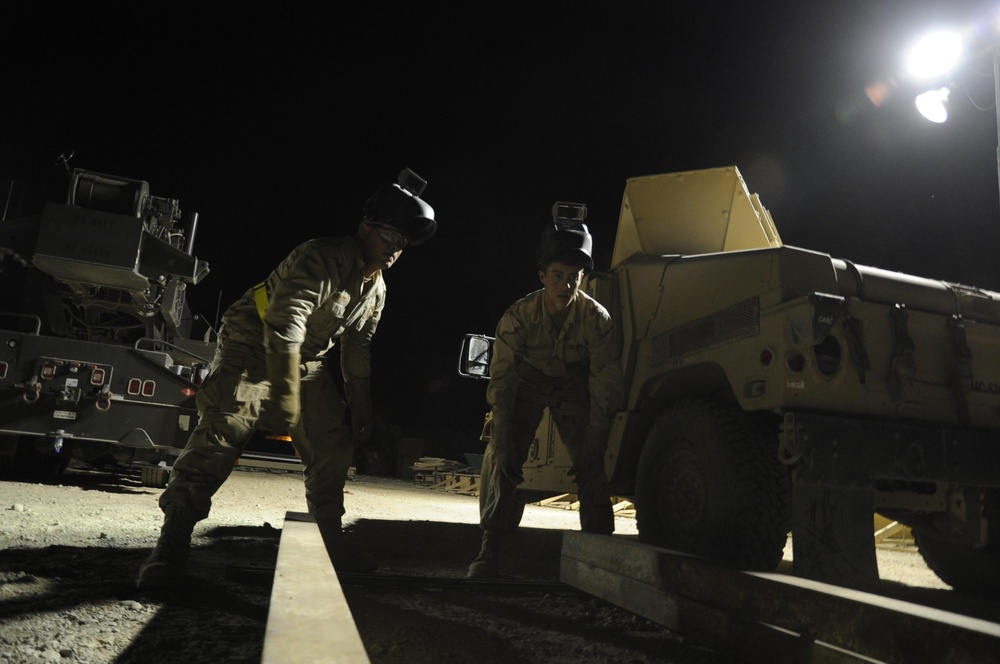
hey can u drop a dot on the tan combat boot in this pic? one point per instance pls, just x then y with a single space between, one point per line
168 561
487 563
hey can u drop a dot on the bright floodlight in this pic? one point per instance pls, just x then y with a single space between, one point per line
931 105
934 54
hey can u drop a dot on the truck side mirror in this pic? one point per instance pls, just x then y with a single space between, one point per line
474 360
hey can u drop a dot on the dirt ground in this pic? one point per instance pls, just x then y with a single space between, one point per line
71 548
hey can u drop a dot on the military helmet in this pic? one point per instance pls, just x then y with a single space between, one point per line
566 238
400 206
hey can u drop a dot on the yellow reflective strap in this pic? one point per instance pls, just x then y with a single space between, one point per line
260 297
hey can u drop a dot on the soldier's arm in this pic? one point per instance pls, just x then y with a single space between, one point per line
607 384
305 280
304 284
508 351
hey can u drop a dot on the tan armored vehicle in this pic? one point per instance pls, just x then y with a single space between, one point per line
773 389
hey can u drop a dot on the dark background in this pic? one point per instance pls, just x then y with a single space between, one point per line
276 124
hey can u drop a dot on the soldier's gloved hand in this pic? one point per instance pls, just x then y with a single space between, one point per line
276 418
590 458
280 411
508 460
359 401
510 463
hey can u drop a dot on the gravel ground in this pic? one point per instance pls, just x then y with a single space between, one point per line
72 546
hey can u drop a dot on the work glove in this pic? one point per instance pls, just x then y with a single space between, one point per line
359 401
279 412
508 459
589 462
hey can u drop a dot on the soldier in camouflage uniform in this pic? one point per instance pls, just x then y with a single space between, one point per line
273 371
554 348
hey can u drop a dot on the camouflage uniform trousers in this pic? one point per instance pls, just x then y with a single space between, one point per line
229 403
569 405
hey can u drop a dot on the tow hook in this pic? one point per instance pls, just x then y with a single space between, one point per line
32 390
57 443
104 399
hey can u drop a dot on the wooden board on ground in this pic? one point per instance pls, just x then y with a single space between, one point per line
769 617
308 618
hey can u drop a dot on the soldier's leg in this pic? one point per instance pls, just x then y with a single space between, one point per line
228 403
323 439
497 497
586 447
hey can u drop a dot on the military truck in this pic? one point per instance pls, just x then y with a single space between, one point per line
775 390
97 362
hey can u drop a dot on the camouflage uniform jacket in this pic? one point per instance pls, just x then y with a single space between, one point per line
529 346
316 296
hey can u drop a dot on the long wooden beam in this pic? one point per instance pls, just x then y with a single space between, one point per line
308 617
769 617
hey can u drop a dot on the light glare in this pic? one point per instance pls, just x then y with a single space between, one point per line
931 105
935 54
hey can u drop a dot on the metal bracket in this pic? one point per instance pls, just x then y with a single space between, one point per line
961 379
902 365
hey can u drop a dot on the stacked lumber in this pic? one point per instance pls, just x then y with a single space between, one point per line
446 475
569 501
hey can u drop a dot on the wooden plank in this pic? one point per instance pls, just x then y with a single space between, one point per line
463 483
623 506
291 465
308 617
894 535
727 609
562 497
745 641
568 501
632 582
890 530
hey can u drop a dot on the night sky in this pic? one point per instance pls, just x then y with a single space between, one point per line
276 125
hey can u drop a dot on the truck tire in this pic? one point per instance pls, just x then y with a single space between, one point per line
154 476
710 483
969 570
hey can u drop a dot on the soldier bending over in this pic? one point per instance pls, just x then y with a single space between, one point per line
554 348
273 372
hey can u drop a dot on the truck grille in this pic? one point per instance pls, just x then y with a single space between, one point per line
739 321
